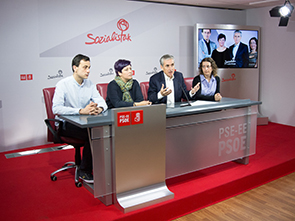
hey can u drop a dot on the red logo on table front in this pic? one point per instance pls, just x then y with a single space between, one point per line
129 118
137 117
123 118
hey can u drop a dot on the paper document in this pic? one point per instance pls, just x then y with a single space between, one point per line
197 103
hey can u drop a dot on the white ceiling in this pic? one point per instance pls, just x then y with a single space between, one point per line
227 4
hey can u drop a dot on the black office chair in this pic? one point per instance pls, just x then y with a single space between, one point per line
53 135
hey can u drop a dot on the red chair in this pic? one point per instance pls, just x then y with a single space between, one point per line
53 135
189 83
144 86
102 89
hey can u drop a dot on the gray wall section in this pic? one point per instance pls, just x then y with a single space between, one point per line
277 75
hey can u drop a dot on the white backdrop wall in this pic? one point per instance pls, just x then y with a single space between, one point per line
277 74
39 39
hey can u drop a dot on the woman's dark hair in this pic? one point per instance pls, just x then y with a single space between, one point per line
256 40
76 60
120 64
220 36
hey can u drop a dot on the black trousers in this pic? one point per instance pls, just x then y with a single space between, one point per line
70 130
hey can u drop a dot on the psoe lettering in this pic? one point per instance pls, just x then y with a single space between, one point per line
232 146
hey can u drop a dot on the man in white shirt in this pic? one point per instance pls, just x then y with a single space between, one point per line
167 86
76 94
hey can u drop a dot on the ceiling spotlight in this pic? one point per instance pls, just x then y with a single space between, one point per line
284 12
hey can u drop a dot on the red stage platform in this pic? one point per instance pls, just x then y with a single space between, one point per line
29 194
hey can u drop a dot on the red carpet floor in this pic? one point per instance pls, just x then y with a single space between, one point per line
27 193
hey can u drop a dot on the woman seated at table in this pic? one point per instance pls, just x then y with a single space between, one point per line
124 91
208 80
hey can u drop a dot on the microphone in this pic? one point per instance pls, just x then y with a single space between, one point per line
188 101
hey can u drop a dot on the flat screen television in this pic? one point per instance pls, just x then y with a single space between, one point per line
231 46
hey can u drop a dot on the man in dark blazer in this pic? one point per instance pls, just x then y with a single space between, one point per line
239 51
167 86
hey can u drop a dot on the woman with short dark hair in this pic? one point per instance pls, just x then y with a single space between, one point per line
221 53
124 91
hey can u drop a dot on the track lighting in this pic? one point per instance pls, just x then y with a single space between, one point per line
284 12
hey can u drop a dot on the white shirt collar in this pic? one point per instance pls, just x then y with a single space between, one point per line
237 44
167 78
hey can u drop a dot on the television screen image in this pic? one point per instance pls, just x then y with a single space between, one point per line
229 47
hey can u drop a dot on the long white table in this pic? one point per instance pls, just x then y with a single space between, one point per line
197 137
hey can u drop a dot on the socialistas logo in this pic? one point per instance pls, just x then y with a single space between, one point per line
122 25
232 78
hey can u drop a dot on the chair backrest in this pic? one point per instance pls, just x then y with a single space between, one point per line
48 96
188 83
102 89
144 86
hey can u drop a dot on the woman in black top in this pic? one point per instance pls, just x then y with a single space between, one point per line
220 54
124 91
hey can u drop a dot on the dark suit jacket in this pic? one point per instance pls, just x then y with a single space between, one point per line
242 56
155 85
114 97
